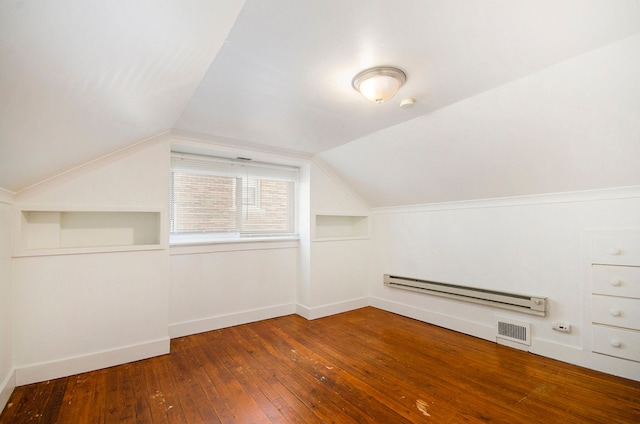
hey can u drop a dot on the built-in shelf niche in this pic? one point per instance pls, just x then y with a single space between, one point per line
54 231
341 227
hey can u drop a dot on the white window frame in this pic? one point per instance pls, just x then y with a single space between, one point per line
210 165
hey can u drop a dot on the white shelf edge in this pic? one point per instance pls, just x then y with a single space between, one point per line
89 208
87 250
338 238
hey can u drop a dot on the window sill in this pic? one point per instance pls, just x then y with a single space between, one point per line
229 245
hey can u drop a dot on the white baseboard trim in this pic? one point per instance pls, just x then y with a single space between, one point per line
331 309
229 320
615 366
586 359
486 332
6 388
75 365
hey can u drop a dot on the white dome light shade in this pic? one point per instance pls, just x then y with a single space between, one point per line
379 88
379 84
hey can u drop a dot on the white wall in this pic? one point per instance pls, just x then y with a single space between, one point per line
233 283
84 310
7 380
531 245
224 284
336 267
217 286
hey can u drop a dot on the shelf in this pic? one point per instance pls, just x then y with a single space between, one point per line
341 227
62 232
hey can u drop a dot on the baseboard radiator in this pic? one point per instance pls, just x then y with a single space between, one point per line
516 302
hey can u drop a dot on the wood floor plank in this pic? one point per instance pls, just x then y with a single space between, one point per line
371 373
52 405
84 398
259 374
195 402
142 397
234 358
163 396
362 366
120 397
29 403
199 357
303 389
234 404
347 389
378 365
288 369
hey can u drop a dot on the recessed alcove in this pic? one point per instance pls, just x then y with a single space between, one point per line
341 227
54 232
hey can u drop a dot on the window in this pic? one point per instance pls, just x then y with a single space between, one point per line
214 198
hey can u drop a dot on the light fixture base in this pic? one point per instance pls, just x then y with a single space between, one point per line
380 83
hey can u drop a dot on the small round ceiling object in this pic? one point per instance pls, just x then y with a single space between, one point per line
379 84
407 103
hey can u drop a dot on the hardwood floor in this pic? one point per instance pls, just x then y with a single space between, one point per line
361 366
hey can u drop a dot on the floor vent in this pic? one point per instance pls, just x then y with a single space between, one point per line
516 331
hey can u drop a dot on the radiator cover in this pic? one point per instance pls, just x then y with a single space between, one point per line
535 305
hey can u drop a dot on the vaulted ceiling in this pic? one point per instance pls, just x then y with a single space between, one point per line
512 97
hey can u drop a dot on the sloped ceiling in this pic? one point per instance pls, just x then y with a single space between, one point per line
571 127
80 79
513 97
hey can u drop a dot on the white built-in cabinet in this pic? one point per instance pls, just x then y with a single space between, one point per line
336 226
46 231
615 296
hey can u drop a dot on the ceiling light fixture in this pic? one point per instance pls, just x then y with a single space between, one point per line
379 84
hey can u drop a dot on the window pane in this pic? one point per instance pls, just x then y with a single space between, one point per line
268 206
216 198
203 203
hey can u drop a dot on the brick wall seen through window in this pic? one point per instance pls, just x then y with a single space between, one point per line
211 203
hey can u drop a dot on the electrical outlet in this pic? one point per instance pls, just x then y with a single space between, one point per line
562 327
